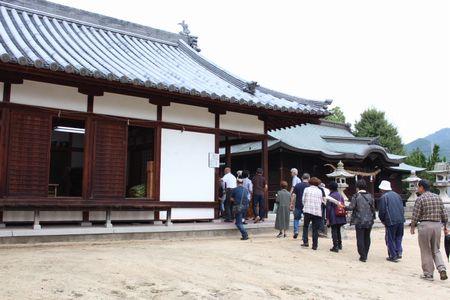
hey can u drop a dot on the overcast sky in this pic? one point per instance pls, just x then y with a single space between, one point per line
393 55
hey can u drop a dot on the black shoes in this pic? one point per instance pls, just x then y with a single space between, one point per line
280 235
244 238
334 249
305 245
295 235
392 259
340 246
443 274
314 248
362 259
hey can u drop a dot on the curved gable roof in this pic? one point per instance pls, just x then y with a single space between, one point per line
45 35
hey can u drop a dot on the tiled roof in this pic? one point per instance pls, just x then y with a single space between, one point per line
331 140
42 38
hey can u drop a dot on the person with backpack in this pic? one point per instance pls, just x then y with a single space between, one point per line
392 215
239 197
362 206
336 216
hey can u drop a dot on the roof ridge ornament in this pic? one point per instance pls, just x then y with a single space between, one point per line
191 40
250 87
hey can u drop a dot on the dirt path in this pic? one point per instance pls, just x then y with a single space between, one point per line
224 268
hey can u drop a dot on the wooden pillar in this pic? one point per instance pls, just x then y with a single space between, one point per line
227 153
157 158
265 164
4 138
89 140
2 224
280 157
217 170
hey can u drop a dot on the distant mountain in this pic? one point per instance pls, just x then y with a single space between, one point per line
441 137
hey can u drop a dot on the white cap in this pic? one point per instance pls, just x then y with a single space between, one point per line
385 185
294 170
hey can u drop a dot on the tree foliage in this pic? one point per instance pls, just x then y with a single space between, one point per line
373 123
337 115
417 158
434 157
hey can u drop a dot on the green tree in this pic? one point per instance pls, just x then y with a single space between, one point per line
417 158
337 115
373 123
434 157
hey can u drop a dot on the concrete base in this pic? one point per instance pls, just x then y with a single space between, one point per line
51 234
108 225
158 222
37 227
86 224
2 225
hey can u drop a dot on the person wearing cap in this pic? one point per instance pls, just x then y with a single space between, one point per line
392 215
295 179
238 197
429 214
259 191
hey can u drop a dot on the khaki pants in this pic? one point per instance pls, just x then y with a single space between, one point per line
429 243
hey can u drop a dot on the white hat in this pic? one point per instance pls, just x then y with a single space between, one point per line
294 170
385 185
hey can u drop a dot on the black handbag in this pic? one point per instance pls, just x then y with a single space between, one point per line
238 208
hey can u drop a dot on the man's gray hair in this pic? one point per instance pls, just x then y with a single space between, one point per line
295 171
306 176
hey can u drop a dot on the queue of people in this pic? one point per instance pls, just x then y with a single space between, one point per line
323 206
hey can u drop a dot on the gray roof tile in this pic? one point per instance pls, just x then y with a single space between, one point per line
41 38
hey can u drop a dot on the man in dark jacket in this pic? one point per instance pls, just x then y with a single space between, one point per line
362 206
392 215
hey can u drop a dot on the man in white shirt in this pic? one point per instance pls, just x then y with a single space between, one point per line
229 181
295 179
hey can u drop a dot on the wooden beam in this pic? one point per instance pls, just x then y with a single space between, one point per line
7 92
217 111
90 103
11 78
90 91
160 101
145 92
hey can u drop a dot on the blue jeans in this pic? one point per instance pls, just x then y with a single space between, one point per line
394 237
297 217
258 202
239 225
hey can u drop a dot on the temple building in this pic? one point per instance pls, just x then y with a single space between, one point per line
104 120
317 149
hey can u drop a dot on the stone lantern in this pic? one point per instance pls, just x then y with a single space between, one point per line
413 182
340 175
442 172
